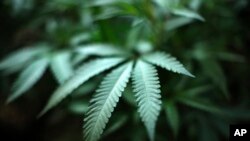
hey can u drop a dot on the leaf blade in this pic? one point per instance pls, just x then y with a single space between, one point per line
21 57
187 13
147 92
61 67
167 62
28 78
98 49
82 74
105 100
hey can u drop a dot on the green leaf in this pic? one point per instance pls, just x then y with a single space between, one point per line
147 91
175 23
195 91
79 38
104 101
61 66
102 2
172 116
214 71
99 49
21 57
83 74
78 107
78 58
28 77
199 103
166 61
129 96
227 56
120 120
187 13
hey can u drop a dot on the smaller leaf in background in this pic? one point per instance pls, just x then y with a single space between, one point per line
187 13
197 91
102 2
199 103
21 6
61 66
28 78
99 49
129 96
87 88
108 13
134 33
175 23
206 131
105 100
144 47
120 120
172 116
227 56
79 38
146 87
82 74
214 71
167 4
21 57
78 59
78 107
195 4
166 61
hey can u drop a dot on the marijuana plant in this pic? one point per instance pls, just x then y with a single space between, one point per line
87 49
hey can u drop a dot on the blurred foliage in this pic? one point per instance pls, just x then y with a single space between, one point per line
64 34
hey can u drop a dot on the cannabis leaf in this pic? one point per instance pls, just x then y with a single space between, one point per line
166 61
147 91
98 49
187 13
61 66
21 57
172 116
28 78
105 100
84 73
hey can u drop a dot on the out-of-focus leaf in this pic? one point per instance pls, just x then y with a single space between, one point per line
206 132
197 90
85 89
144 47
172 116
61 66
187 13
108 13
199 103
195 4
78 58
134 34
167 4
21 57
28 78
78 107
99 49
178 22
21 6
102 2
214 71
226 56
117 124
129 96
79 38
